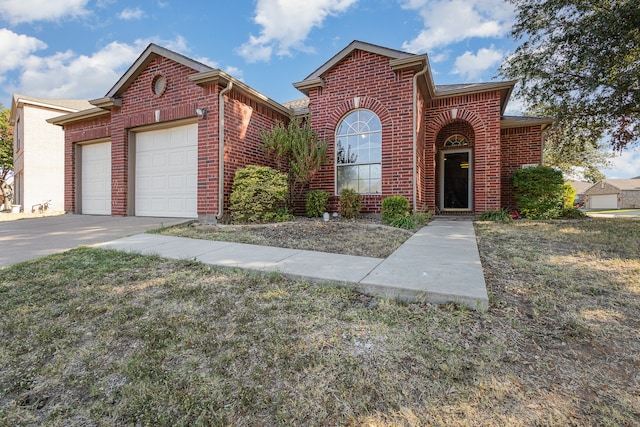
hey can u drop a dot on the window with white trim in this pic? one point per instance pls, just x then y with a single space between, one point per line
456 140
359 153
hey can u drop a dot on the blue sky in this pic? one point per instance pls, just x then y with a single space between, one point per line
80 48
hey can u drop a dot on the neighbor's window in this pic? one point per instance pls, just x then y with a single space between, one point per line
456 141
359 153
17 134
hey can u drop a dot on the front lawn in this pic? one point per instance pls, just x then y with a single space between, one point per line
95 337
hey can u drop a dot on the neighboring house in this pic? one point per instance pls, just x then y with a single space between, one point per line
161 139
580 187
614 194
38 150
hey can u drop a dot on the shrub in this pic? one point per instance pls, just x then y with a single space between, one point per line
394 207
568 195
539 192
407 222
259 194
499 216
573 213
317 202
349 203
421 218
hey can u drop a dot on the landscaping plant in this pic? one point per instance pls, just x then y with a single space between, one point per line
500 216
296 150
349 203
317 202
539 191
394 207
259 195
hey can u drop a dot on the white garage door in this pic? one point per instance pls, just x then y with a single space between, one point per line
96 179
604 201
166 172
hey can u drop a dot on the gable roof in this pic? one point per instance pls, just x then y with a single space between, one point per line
632 184
398 60
624 184
402 60
146 57
508 122
356 44
62 105
580 186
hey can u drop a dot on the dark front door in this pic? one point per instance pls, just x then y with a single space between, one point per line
456 180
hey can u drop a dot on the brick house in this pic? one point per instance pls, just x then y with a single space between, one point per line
614 194
156 144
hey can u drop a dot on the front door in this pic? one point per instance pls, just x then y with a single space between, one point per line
456 180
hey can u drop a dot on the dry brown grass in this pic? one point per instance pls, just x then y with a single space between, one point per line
364 237
95 337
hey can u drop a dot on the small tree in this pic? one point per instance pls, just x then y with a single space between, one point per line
539 192
6 154
295 149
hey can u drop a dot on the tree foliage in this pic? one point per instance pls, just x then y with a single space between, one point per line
580 60
6 153
571 149
296 149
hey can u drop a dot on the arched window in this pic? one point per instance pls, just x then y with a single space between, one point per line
456 140
359 153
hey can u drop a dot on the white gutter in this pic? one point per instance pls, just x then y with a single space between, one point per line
415 134
223 92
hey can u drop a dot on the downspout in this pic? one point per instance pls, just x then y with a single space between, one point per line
415 135
223 92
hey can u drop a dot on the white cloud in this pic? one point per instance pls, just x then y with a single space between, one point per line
471 67
68 75
71 75
286 25
451 21
624 165
515 107
18 11
235 72
15 48
130 14
439 57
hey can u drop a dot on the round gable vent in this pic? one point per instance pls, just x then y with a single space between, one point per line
159 85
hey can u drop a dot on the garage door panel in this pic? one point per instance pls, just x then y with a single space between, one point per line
96 179
166 172
604 201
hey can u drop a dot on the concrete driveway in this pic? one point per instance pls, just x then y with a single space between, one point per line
37 237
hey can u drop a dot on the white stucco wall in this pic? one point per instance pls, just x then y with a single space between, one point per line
42 158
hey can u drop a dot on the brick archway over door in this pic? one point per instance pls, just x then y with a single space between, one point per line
486 155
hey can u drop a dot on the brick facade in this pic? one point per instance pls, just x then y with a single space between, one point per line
520 146
363 77
349 86
244 118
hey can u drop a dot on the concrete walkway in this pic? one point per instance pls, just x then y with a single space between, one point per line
439 264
